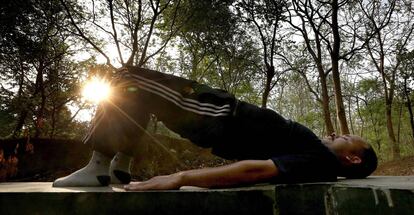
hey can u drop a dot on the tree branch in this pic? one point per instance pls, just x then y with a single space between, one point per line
82 35
115 35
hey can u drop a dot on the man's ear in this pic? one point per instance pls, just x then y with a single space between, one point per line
353 159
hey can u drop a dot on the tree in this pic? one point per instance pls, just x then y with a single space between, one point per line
370 106
34 58
314 46
263 18
331 32
207 27
212 49
392 34
298 103
131 28
407 75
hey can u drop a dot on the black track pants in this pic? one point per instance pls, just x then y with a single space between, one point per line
195 111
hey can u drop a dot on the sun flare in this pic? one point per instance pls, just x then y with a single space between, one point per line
96 90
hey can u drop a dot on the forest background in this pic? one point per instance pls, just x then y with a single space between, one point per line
344 66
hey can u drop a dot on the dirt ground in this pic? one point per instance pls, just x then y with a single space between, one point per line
403 166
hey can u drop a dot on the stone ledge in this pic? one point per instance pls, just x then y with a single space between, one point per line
41 198
375 195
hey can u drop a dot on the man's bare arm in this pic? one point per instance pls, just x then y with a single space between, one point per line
242 172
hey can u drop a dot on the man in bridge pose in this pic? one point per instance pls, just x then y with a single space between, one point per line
268 147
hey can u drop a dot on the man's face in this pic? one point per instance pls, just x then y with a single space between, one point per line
347 145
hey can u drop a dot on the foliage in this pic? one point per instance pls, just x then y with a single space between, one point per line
39 78
273 53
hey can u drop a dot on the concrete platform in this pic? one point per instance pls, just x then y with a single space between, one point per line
375 195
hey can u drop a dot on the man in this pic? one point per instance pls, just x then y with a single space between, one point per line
269 148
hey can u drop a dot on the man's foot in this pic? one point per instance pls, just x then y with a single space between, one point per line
95 173
120 169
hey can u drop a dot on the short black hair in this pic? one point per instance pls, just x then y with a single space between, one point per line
369 163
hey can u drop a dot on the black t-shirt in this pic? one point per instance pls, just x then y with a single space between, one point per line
307 161
258 133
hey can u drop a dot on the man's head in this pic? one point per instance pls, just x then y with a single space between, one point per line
357 157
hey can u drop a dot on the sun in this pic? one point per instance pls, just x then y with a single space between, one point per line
96 90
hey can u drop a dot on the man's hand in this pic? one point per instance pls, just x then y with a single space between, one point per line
165 182
239 173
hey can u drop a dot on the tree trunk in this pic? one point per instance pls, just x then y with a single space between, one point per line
390 128
325 102
361 132
389 97
340 109
409 107
270 73
399 122
40 115
23 111
53 123
374 125
20 123
40 112
350 115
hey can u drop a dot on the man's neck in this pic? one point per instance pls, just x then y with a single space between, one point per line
326 141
